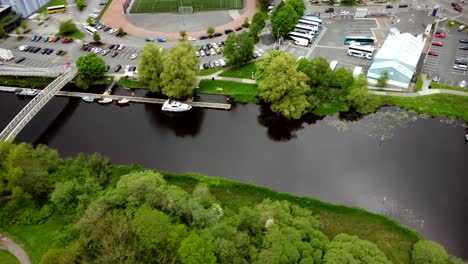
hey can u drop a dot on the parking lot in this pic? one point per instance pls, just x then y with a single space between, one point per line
442 65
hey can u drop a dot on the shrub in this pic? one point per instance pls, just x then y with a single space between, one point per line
428 252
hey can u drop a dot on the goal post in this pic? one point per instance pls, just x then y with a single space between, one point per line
186 9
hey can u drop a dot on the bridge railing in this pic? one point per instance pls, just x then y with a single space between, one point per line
36 104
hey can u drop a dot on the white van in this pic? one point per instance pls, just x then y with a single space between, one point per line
461 28
302 42
333 65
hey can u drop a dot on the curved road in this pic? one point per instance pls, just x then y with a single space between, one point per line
10 246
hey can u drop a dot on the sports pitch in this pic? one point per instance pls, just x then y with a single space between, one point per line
150 6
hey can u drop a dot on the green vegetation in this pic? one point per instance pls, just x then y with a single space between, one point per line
243 71
150 6
52 3
90 68
428 252
210 31
433 105
67 28
3 33
124 82
258 23
80 4
208 72
419 84
103 11
84 209
240 92
448 87
151 66
452 23
238 48
7 258
26 82
285 17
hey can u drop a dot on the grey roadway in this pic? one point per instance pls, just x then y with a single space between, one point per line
15 249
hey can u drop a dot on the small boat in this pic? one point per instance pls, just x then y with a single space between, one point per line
88 99
18 91
27 92
105 100
466 137
122 102
175 106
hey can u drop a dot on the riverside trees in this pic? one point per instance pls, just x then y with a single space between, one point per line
90 68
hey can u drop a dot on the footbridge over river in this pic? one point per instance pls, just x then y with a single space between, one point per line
36 104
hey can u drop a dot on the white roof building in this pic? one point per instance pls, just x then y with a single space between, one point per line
399 56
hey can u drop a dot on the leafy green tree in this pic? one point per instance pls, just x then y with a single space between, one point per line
120 30
298 6
348 2
3 33
284 21
343 78
258 23
24 25
80 4
456 260
151 66
180 68
346 249
265 61
210 31
246 22
195 250
284 87
231 246
318 72
73 197
239 48
96 37
360 99
17 31
67 27
183 34
382 81
89 21
90 68
428 252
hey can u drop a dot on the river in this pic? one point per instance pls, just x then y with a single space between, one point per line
410 167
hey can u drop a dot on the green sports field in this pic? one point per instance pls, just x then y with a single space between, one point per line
150 6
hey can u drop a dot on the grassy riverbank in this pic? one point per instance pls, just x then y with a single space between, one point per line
240 92
245 71
448 87
7 258
27 82
125 82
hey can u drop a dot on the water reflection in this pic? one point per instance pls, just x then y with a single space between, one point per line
182 124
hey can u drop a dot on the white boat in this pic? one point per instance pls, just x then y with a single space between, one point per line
122 102
105 100
175 106
28 92
88 99
466 137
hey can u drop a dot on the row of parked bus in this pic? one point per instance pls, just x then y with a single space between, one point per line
305 30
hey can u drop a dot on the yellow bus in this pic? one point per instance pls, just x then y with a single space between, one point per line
56 9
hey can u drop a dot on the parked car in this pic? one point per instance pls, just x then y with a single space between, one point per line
57 39
105 52
202 53
227 31
191 38
64 40
216 63
437 43
212 64
463 47
112 31
162 40
460 67
36 49
239 28
148 39
200 67
330 10
441 35
133 56
49 51
59 52
463 40
111 46
206 66
432 53
121 47
203 37
461 61
222 62
114 54
217 34
44 51
389 6
117 68
45 39
314 1
454 4
402 5
435 79
96 11
107 68
20 59
38 38
33 37
461 27
458 8
462 84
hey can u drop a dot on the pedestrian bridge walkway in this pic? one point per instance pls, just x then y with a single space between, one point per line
7 70
36 104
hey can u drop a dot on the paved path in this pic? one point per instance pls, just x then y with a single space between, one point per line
115 18
422 93
10 246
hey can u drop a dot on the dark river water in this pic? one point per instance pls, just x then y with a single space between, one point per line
412 168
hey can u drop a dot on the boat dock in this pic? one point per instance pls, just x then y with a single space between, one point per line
131 99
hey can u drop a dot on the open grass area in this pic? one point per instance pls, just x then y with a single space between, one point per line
7 258
150 6
52 3
208 72
244 71
35 239
26 82
433 105
240 92
124 82
448 87
392 238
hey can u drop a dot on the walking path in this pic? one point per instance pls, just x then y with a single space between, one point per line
114 17
10 246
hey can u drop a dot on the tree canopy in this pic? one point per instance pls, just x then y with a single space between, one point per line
360 99
239 48
3 33
428 252
151 66
284 20
90 68
67 27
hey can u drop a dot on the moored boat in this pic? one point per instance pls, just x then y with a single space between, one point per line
122 102
105 100
27 92
88 99
175 106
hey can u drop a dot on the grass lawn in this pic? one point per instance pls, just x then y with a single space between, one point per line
27 82
433 105
130 83
419 84
244 72
52 3
35 239
7 258
148 6
208 72
448 87
392 238
240 92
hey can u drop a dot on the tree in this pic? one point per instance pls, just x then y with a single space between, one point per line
428 252
180 68
120 30
258 23
89 21
343 78
360 99
382 81
246 22
96 37
239 48
90 68
210 31
265 61
346 249
80 4
67 27
182 34
151 66
3 33
298 6
318 71
24 25
284 87
17 31
284 21
195 250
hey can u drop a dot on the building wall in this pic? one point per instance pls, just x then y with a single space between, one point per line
25 7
